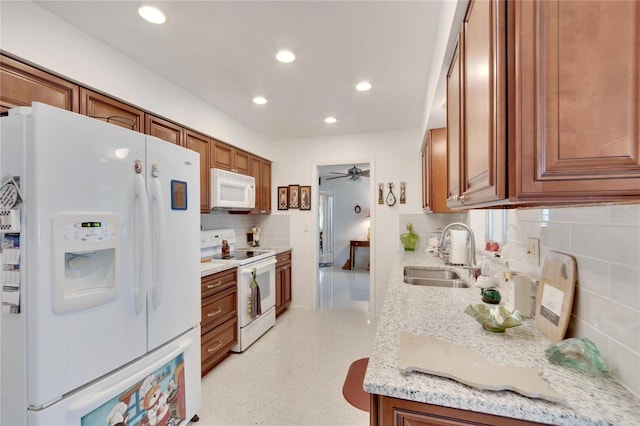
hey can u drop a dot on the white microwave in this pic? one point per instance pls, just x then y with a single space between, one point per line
231 191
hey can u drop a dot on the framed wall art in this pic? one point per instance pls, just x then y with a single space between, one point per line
283 198
305 198
294 196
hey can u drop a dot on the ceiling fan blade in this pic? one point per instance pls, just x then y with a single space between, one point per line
339 173
365 173
336 177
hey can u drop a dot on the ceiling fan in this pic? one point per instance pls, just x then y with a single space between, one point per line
354 173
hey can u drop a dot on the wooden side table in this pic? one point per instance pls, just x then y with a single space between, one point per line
353 246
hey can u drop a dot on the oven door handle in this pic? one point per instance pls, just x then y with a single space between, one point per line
260 267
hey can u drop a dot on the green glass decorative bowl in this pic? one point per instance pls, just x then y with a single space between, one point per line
494 318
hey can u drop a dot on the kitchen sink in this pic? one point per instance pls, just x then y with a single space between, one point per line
433 277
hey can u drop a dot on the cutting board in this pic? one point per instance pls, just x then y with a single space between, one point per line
440 358
554 300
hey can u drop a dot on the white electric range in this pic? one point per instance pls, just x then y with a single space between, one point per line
252 322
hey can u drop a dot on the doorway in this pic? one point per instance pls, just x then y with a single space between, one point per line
344 193
325 228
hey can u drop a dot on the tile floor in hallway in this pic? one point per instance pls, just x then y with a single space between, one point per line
293 375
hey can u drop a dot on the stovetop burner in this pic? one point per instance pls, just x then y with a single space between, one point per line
240 254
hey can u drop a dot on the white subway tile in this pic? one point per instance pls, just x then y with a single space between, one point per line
593 275
625 366
625 285
556 236
613 243
609 317
625 214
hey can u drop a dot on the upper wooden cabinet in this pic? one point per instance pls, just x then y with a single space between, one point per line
104 108
454 99
434 172
553 85
201 144
260 169
163 129
230 158
576 111
23 84
264 186
484 67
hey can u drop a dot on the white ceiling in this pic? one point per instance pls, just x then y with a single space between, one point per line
223 51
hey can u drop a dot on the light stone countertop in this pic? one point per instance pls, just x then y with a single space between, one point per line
438 312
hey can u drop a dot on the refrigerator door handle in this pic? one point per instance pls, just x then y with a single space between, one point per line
157 209
143 246
84 405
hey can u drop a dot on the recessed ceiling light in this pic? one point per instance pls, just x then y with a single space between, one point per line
363 86
285 56
151 14
330 120
260 100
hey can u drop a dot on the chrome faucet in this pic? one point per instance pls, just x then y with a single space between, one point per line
472 247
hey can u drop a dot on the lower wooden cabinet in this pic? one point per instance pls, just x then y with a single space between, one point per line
283 281
388 411
219 321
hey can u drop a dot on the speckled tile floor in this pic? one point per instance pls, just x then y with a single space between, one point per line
293 375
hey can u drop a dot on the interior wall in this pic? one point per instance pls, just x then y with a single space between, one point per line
605 241
39 37
394 156
347 224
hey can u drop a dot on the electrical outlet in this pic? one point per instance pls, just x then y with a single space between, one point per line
533 251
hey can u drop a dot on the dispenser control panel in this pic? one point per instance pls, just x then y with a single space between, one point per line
93 231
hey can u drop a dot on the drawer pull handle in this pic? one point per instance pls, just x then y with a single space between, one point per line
213 314
218 284
216 348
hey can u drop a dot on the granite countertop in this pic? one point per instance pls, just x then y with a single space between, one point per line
438 312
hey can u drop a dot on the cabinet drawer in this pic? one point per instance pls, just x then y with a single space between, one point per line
218 308
217 343
217 282
283 257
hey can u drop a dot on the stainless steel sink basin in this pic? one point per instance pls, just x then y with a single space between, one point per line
433 277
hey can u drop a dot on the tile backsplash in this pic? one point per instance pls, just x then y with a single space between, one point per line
605 241
275 229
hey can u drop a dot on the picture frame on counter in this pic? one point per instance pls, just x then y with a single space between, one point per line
305 198
283 198
294 196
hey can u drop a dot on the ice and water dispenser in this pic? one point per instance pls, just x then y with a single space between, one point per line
86 260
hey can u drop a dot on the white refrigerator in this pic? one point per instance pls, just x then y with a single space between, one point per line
101 310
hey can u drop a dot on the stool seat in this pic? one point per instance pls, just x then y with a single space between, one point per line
352 389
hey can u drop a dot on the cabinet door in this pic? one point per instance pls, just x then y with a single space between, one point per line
265 187
454 123
577 132
437 170
163 129
22 84
201 144
104 108
241 162
222 156
484 141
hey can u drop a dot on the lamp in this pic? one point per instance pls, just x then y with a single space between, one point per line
369 226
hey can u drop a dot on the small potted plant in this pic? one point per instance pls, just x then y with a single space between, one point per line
409 239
